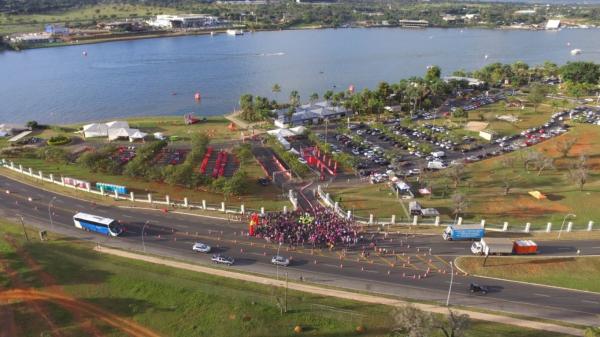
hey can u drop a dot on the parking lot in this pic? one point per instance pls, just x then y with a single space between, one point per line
404 151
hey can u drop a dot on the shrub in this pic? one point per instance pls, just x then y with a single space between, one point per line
59 140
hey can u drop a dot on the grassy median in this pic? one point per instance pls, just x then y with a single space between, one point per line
172 302
580 273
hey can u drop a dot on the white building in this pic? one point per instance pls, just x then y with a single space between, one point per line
32 38
552 24
184 21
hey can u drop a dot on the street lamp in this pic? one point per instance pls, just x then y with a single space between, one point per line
143 229
277 265
451 281
50 213
563 223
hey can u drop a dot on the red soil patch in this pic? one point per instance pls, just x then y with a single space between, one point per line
73 304
522 207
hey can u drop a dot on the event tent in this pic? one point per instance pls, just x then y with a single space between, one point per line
137 135
95 130
120 133
117 125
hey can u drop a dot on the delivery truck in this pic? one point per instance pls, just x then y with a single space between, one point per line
463 232
503 246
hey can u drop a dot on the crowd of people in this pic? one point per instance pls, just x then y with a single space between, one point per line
320 227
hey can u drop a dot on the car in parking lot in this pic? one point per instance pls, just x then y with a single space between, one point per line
279 260
222 259
201 247
302 160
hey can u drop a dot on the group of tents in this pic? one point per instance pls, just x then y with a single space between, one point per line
113 130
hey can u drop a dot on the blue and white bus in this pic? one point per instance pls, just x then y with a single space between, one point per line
97 224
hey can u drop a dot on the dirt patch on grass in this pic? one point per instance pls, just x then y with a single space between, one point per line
525 207
32 295
586 142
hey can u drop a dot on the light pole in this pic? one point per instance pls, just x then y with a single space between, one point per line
50 213
143 229
563 223
451 281
277 265
24 229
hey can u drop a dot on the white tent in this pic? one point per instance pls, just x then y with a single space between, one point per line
120 133
281 133
3 133
117 125
298 130
95 130
137 135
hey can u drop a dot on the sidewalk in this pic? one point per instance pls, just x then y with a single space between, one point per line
373 299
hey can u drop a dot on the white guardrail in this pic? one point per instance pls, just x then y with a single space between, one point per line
148 199
416 220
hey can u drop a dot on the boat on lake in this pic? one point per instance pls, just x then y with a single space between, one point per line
576 51
234 32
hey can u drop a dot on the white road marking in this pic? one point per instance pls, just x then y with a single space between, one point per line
458 283
59 201
593 302
541 295
595 247
564 248
128 216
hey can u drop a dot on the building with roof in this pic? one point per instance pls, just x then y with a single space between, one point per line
312 113
32 38
552 24
473 82
12 129
184 21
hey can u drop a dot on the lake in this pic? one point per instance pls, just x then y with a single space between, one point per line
160 76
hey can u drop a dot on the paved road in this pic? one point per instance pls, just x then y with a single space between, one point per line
394 272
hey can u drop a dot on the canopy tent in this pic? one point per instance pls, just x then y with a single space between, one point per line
117 125
137 135
120 133
298 130
3 133
281 133
95 130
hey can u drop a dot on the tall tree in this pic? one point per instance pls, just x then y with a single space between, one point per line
537 94
294 98
581 72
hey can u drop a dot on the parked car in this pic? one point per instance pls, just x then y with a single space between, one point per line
280 261
302 160
222 259
201 247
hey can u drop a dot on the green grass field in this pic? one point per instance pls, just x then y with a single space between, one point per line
572 272
173 302
35 22
483 187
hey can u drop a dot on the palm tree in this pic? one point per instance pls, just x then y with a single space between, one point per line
294 98
314 97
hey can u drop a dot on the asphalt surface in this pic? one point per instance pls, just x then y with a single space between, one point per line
414 266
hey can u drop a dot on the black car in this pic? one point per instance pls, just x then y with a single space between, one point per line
264 181
477 288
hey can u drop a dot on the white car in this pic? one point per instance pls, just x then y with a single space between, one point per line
302 160
201 247
279 260
221 259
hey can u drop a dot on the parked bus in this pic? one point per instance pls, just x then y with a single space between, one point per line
97 224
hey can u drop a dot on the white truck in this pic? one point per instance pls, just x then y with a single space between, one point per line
436 165
492 246
438 154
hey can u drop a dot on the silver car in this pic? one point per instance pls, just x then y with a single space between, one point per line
221 259
280 261
201 247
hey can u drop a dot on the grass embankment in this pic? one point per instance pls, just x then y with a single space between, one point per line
570 272
215 127
173 302
483 186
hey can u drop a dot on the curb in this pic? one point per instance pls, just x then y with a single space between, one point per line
181 213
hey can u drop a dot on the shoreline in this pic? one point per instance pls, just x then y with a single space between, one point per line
166 34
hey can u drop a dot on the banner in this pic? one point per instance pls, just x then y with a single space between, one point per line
76 182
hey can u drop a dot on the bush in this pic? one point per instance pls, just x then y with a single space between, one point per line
59 140
53 155
32 124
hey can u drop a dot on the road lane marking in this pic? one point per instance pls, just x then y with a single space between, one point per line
541 295
592 302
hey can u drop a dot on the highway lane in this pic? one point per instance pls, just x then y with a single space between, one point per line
172 235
